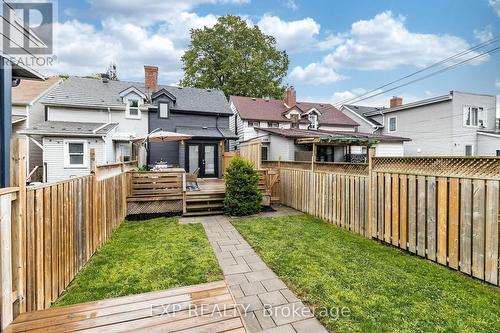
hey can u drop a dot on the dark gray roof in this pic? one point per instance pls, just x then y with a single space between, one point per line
207 132
362 110
67 128
86 92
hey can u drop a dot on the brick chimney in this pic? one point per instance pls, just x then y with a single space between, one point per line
290 97
396 101
150 78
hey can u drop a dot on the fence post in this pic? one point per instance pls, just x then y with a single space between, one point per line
313 158
371 153
93 168
18 179
5 261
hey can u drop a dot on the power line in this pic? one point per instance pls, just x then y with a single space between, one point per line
431 74
457 55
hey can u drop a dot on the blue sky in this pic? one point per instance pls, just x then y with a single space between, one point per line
336 48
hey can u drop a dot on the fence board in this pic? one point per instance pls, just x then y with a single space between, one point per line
431 218
491 231
421 201
395 209
412 214
453 222
478 229
442 217
403 211
465 225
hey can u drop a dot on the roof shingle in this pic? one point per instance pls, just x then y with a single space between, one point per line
273 110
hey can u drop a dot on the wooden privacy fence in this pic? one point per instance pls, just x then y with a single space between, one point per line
49 232
443 209
227 157
251 150
338 198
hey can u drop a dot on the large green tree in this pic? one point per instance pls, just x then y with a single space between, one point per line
236 58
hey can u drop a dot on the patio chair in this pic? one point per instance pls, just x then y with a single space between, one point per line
192 176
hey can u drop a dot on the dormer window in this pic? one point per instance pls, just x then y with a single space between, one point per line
133 109
295 120
163 109
313 119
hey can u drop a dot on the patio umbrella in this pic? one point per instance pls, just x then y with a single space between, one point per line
161 136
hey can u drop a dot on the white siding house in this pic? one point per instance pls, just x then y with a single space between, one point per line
456 124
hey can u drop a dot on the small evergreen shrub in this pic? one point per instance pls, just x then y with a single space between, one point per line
242 193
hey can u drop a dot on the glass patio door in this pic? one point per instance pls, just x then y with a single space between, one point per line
203 156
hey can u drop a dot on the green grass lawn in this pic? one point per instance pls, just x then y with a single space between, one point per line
385 289
145 256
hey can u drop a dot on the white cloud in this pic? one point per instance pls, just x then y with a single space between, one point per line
293 35
495 4
484 35
330 42
315 74
83 50
384 43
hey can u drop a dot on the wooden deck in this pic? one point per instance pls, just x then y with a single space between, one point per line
201 308
209 199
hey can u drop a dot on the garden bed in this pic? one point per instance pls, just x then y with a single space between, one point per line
143 256
384 289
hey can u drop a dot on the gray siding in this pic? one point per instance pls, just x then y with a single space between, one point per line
438 129
174 152
364 127
487 144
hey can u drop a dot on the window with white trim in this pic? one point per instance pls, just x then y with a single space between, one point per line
295 120
253 124
133 109
313 119
273 125
163 107
474 116
393 124
75 154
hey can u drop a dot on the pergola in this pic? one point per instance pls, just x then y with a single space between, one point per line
336 140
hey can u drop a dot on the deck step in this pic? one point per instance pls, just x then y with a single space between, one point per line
204 206
204 213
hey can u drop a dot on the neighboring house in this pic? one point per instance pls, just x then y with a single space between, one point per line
253 113
281 144
118 111
26 111
456 124
66 146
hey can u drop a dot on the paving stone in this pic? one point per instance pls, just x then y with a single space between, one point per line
252 258
249 303
308 326
227 261
257 266
289 313
264 319
273 284
243 247
251 322
236 279
226 248
236 291
241 261
252 288
229 242
235 269
223 255
272 298
281 329
241 253
290 297
261 275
